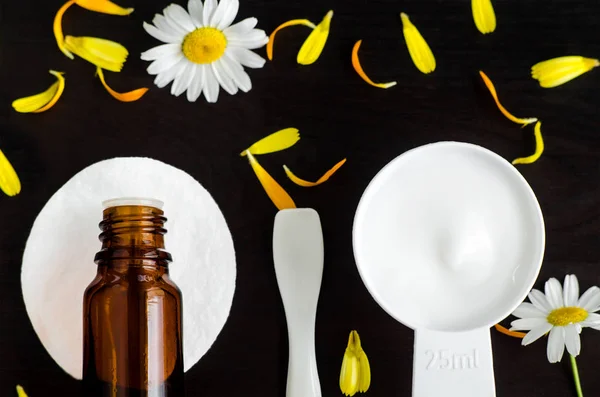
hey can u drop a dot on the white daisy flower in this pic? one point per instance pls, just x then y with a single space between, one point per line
202 50
562 314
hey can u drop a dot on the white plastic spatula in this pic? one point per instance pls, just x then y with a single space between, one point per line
298 257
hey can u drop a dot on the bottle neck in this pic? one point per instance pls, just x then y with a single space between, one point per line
133 234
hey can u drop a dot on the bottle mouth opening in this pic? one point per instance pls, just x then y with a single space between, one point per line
128 201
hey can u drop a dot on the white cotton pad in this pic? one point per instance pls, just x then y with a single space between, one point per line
58 263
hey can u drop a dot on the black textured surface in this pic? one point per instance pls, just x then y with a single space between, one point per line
338 116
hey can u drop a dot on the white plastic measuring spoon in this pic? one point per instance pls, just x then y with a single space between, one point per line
449 239
298 257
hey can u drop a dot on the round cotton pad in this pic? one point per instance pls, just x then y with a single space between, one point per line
58 261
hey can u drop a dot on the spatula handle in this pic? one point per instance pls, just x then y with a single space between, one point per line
298 257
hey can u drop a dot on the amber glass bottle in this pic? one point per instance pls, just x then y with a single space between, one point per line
132 329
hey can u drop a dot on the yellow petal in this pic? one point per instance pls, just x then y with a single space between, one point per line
324 178
9 180
41 102
275 142
315 42
104 6
506 113
349 374
365 372
417 46
57 27
130 96
505 331
539 147
557 71
483 15
21 392
358 68
278 196
103 53
293 22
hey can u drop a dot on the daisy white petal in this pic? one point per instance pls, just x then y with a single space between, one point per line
246 57
183 79
554 293
572 340
250 36
229 14
164 78
195 10
536 333
179 15
592 320
195 88
165 50
162 64
556 344
528 310
209 8
527 324
571 293
241 27
590 299
160 35
239 76
168 26
223 78
539 300
211 85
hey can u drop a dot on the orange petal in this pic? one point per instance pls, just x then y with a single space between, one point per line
130 96
57 27
324 178
278 196
360 71
505 331
293 22
492 89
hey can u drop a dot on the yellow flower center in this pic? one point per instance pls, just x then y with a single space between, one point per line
204 45
567 315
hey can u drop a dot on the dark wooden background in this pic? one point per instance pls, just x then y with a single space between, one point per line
338 116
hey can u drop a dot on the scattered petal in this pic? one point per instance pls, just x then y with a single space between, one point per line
492 89
278 196
483 15
539 147
358 68
293 22
9 180
103 53
21 392
505 331
130 96
324 178
275 142
57 27
557 71
41 102
104 6
417 46
315 42
355 374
